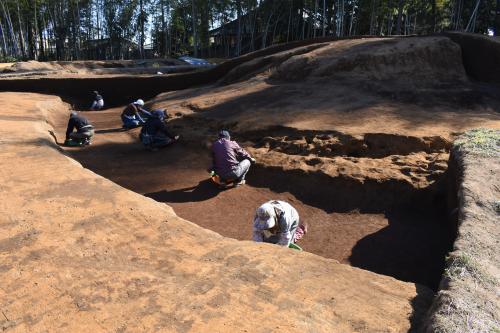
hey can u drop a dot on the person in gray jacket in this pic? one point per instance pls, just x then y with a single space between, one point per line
277 222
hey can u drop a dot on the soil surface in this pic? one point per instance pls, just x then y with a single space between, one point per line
79 253
25 69
354 133
409 245
365 168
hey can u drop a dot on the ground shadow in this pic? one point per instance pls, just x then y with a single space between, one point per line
203 191
412 248
110 130
420 304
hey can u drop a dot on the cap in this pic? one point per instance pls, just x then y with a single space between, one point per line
139 102
158 113
73 114
265 217
224 134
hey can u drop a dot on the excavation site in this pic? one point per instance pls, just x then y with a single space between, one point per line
359 135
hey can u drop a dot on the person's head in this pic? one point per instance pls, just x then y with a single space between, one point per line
139 102
73 114
265 217
96 92
160 114
223 134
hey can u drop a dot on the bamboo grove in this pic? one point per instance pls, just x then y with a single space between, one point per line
121 29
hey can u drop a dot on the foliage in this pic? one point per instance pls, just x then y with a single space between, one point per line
111 29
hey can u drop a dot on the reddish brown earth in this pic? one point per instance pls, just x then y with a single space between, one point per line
79 253
352 136
407 245
355 134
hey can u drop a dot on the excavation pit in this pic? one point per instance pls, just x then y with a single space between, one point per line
389 228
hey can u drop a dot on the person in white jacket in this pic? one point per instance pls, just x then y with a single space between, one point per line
98 102
276 222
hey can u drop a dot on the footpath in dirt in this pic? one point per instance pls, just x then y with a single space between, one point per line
80 253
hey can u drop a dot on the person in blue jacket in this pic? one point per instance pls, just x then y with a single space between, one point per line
154 132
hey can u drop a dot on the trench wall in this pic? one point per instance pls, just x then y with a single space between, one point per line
467 300
480 55
119 90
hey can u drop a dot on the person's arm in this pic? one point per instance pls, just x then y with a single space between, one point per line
137 113
71 125
285 236
258 236
147 113
240 152
164 129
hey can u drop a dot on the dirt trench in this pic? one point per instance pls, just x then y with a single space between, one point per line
388 227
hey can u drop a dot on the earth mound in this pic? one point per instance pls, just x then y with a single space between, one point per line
96 67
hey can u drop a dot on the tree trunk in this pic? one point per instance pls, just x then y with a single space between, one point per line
141 22
11 30
23 44
4 49
324 19
315 18
372 18
238 33
195 35
400 16
433 4
497 20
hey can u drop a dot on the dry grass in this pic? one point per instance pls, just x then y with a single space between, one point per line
462 265
482 141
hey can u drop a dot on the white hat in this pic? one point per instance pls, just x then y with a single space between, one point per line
265 217
139 102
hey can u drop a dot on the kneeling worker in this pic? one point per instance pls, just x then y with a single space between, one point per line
98 102
277 222
131 115
84 130
154 133
230 161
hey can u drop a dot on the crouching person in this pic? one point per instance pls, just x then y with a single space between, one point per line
98 102
84 130
131 115
154 133
277 222
230 162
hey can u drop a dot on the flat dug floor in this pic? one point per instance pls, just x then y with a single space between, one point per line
407 244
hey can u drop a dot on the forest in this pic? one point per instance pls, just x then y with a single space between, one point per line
125 29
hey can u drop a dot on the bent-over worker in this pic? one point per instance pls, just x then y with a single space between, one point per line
154 133
131 115
277 222
230 161
98 103
84 130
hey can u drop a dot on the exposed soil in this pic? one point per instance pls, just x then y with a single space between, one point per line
58 68
408 244
79 253
355 134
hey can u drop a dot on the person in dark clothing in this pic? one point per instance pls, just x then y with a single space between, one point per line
154 133
84 130
230 161
131 115
98 103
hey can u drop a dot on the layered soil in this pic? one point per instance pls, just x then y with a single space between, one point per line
81 253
